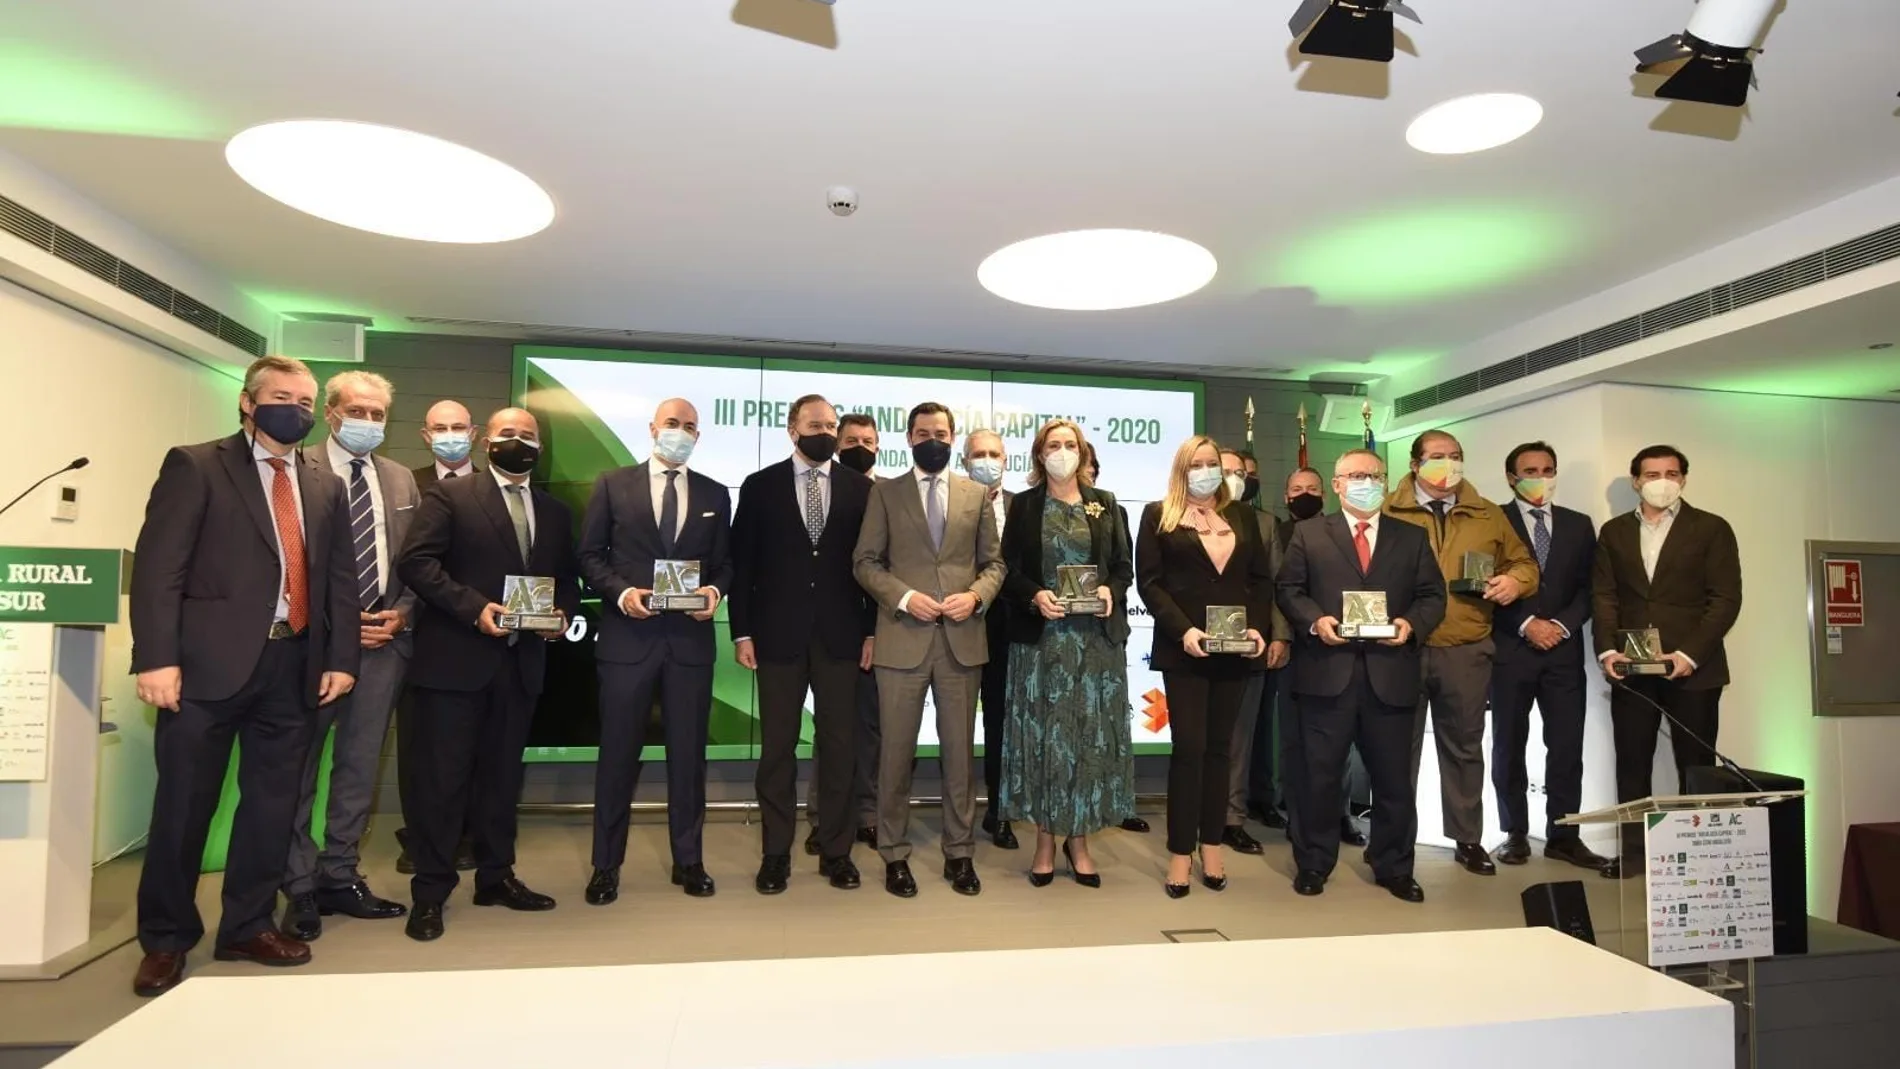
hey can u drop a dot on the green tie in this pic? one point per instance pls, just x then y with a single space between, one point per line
518 512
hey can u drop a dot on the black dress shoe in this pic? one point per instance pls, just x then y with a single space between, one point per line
693 880
1350 835
775 873
868 836
158 973
1001 834
1574 852
302 919
1515 851
961 872
603 887
425 922
515 895
1272 818
898 880
357 901
841 873
1474 859
811 843
1236 837
1136 825
1404 888
1309 883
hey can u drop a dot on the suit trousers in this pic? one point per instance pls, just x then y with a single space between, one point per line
1554 682
1635 725
627 693
361 721
864 775
1201 714
1456 685
1290 750
467 774
1330 726
953 688
272 726
1250 727
1261 760
405 718
995 714
833 684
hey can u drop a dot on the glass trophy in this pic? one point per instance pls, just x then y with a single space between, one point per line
1643 647
1478 570
1363 616
1227 630
527 603
1077 589
676 587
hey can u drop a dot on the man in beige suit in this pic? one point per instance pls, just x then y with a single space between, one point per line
929 553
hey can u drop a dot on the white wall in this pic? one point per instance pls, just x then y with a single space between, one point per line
77 387
1781 470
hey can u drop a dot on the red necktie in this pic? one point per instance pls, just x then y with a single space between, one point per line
283 507
1364 547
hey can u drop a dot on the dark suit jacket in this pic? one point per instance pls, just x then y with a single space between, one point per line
1178 582
784 589
620 540
205 575
1563 591
1022 555
1694 599
996 618
425 475
461 546
1321 565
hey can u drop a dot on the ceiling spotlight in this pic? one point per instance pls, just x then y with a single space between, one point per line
1348 29
1712 61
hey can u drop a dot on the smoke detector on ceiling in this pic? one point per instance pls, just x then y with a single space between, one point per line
842 200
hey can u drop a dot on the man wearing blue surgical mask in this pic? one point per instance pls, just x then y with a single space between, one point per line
382 499
983 460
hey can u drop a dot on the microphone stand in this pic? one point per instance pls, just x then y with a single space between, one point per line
1721 758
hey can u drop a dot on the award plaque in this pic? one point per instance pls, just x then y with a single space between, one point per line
1478 570
1364 616
1227 630
676 587
1643 647
1076 586
527 603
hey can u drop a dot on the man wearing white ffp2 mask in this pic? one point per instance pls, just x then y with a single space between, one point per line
1677 569
984 458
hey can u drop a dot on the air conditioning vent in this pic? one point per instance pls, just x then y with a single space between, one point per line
1834 261
37 230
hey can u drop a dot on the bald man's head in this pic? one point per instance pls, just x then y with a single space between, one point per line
450 432
514 423
675 412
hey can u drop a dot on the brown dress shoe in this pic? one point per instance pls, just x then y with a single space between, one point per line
268 947
158 973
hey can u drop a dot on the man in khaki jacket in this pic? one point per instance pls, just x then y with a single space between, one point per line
1457 655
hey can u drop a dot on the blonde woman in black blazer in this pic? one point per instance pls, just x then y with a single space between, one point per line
1199 547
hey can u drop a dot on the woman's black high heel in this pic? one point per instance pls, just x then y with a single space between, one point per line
1178 890
1212 883
1086 879
1041 879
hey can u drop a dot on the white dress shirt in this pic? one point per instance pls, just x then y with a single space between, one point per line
1653 535
443 471
1548 508
527 498
266 475
801 471
656 480
340 461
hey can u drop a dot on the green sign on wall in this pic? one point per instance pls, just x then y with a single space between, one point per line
43 585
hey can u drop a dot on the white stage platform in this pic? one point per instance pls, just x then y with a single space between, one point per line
1456 1000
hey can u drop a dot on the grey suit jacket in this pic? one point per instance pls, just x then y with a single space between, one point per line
400 497
894 557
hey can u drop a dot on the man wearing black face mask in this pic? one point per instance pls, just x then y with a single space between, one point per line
801 621
476 683
1250 490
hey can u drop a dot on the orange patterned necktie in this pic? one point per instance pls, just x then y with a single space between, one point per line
283 507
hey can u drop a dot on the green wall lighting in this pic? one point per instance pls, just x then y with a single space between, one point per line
1416 254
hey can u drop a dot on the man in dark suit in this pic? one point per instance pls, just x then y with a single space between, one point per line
800 620
1355 689
244 621
929 555
1673 567
1540 659
983 461
476 683
639 515
381 496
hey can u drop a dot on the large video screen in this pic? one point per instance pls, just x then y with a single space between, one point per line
595 407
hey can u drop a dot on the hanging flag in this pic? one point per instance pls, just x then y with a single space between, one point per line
1304 463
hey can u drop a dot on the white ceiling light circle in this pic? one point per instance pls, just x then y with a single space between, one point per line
1097 270
1474 123
390 181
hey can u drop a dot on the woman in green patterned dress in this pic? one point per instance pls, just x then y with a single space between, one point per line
1068 765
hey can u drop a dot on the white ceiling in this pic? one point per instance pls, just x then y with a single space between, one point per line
689 153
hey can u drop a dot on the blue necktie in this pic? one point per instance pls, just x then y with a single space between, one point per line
1540 538
369 581
933 512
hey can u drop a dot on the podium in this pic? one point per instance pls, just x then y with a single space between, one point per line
54 606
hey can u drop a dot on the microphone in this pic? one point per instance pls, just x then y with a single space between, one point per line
74 466
1677 725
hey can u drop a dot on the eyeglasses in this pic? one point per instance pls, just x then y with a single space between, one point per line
1357 478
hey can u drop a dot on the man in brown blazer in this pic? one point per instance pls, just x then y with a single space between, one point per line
930 556
1675 568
